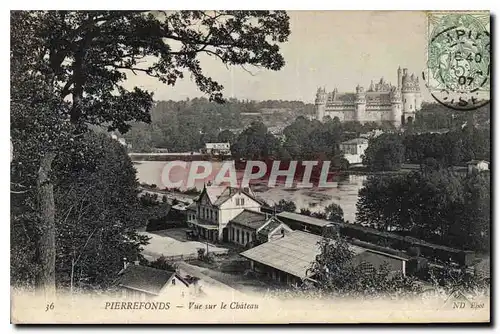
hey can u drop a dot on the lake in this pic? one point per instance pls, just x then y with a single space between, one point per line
344 192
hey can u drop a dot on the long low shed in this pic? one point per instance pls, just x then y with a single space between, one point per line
431 251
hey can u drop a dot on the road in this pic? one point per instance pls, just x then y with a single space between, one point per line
163 244
208 282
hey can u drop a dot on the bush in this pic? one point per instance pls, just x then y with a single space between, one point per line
163 264
209 258
414 251
205 257
201 254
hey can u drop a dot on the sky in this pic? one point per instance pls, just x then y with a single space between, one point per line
331 49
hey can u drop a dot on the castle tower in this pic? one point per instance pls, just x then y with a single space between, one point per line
334 94
410 92
400 78
418 95
320 104
396 107
360 104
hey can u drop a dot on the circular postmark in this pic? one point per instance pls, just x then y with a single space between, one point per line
458 64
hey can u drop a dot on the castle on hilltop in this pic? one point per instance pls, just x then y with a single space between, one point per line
381 102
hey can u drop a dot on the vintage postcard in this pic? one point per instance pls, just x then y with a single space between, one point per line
250 167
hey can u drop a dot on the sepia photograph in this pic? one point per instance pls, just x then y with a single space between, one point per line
250 167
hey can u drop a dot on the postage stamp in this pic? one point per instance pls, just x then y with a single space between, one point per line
249 167
458 59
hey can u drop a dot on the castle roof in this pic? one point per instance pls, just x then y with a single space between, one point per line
373 93
344 97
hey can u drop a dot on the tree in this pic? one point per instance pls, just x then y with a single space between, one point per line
225 136
80 60
315 214
37 130
255 142
331 269
334 213
344 164
449 149
183 126
385 153
305 139
92 235
436 205
335 271
384 202
450 280
96 223
472 226
284 205
430 165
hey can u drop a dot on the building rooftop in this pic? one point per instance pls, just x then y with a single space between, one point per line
273 224
356 141
206 224
218 195
142 278
192 206
304 219
217 145
251 219
214 192
293 254
475 161
345 97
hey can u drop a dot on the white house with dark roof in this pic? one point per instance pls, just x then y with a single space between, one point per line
288 259
217 148
354 149
216 206
141 283
252 227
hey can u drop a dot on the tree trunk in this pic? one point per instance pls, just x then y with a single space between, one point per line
46 241
72 275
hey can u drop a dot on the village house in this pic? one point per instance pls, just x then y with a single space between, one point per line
217 149
216 206
141 283
252 227
288 259
354 149
191 211
477 166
